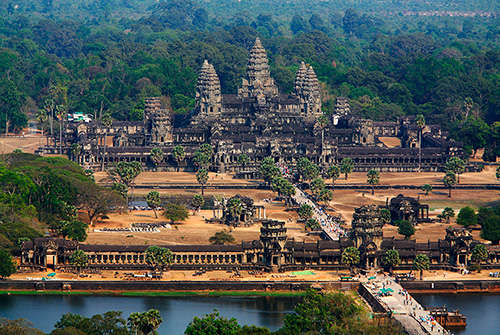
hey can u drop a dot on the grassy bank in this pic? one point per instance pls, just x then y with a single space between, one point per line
160 293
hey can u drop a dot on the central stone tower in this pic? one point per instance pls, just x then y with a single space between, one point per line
273 237
258 84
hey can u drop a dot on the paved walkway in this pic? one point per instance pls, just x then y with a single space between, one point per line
404 307
319 215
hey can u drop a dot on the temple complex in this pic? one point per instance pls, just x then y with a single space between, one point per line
259 121
273 251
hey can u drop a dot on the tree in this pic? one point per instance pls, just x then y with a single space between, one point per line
449 180
75 230
198 201
121 189
373 178
305 212
75 150
421 263
154 201
7 264
106 121
235 209
243 160
207 150
455 165
158 257
467 217
405 228
311 172
427 188
144 323
108 323
420 121
200 159
351 257
346 166
97 200
222 238
447 214
497 172
156 156
334 173
325 195
302 165
479 253
212 324
313 224
178 154
175 212
391 259
79 259
268 170
491 229
18 327
202 178
385 216
288 191
126 172
317 185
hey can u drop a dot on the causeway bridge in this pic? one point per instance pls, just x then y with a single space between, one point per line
402 307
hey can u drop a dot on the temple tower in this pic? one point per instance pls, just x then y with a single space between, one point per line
273 237
306 88
159 122
208 92
258 84
367 233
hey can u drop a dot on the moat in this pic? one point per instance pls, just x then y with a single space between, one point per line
482 310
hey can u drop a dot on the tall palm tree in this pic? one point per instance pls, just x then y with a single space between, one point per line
391 258
106 121
421 263
373 178
202 178
61 113
235 209
420 121
178 153
449 180
334 173
351 257
42 118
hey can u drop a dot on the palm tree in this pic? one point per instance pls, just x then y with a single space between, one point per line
421 263
373 178
346 166
158 257
449 180
455 165
144 323
198 201
106 121
243 160
497 172
420 121
427 188
391 258
351 257
156 156
235 208
79 259
334 173
317 185
202 178
154 201
61 113
178 153
76 149
42 118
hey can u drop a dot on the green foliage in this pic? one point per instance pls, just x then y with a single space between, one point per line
156 156
268 170
350 256
479 253
144 323
19 326
427 188
467 217
333 173
373 178
222 238
449 180
456 166
313 224
178 154
346 166
391 258
158 256
75 230
198 201
317 186
325 195
108 323
153 200
385 216
213 324
202 178
79 259
7 265
305 212
491 228
200 159
175 212
421 263
243 160
306 169
235 208
405 228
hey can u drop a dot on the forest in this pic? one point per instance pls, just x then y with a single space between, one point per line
390 58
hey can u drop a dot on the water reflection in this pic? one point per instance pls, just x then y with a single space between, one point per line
44 311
